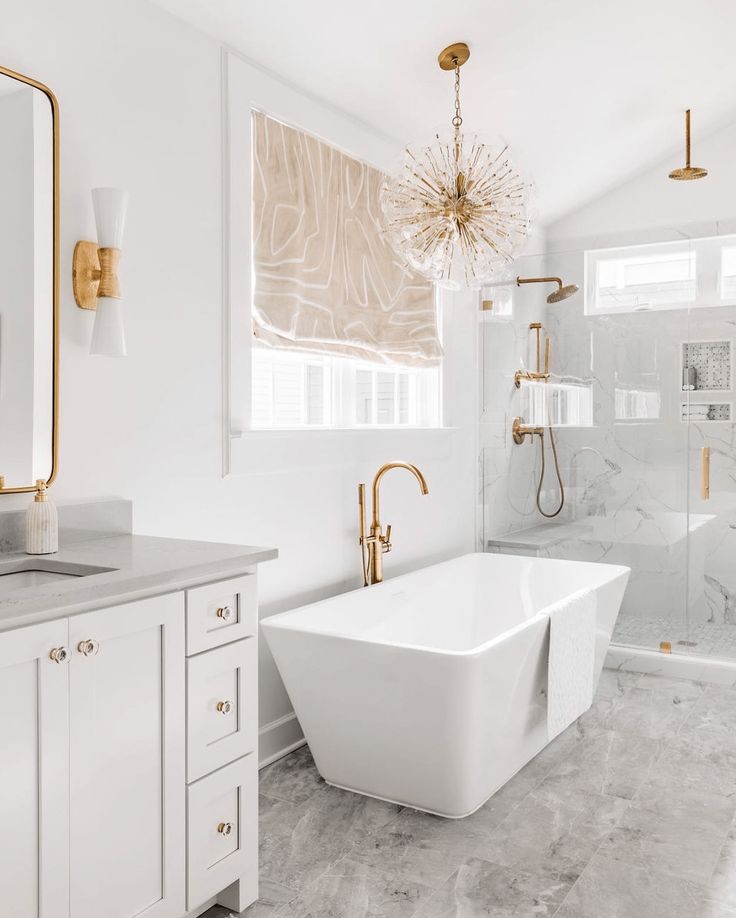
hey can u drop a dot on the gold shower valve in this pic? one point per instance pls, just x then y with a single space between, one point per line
520 431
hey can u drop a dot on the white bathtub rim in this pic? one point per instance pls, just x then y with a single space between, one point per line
280 621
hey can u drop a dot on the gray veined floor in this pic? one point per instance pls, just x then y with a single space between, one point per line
628 814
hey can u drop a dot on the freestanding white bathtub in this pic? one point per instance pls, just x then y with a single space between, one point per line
430 690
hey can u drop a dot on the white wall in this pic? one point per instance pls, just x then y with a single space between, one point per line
653 207
139 96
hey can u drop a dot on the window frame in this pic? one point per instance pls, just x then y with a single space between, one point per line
708 251
246 87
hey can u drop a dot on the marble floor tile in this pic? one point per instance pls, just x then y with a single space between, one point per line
352 890
677 832
630 813
656 707
555 827
610 763
609 889
299 841
293 778
480 889
722 884
715 715
699 759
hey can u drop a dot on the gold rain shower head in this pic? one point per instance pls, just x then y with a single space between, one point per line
561 293
688 173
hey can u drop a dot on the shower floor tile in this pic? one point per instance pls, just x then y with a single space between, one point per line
631 812
705 638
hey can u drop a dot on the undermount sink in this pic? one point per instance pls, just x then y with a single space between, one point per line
34 572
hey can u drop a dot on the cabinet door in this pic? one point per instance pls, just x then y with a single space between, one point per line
127 760
34 753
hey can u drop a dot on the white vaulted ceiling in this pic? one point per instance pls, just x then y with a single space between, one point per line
588 92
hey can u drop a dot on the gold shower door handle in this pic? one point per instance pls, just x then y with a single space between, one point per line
705 473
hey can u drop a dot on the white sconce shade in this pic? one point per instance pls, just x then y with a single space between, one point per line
110 206
108 333
95 272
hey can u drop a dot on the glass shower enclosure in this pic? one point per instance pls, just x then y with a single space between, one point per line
637 398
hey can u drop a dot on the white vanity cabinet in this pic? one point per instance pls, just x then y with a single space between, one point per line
128 758
126 755
34 756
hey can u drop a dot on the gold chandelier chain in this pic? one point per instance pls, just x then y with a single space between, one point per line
458 118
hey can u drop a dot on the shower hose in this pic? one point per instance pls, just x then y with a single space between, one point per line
541 476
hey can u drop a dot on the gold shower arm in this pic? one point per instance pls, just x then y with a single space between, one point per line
539 280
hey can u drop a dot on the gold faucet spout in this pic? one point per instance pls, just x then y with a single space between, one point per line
377 481
374 545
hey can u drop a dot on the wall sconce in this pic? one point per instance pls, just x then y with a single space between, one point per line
94 272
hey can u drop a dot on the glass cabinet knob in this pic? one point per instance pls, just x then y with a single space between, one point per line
225 828
88 648
59 655
224 707
225 613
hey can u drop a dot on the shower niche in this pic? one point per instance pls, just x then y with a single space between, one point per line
706 368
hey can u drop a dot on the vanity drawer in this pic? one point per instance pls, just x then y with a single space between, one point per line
222 706
218 613
222 841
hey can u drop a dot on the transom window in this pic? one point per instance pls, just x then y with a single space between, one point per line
666 275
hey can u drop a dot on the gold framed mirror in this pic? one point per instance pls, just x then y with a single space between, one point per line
29 283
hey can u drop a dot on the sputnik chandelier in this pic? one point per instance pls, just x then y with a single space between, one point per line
457 209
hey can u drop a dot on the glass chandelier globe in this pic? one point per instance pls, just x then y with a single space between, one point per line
457 211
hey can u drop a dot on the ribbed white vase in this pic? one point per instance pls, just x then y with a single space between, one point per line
42 528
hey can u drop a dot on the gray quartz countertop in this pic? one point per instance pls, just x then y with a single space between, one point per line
141 566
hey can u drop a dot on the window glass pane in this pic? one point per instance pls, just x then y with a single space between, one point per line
298 390
364 397
403 399
728 272
315 395
385 398
659 278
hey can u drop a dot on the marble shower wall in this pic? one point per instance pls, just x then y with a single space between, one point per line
632 479
506 472
643 474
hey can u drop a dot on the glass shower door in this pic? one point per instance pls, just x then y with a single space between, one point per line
708 360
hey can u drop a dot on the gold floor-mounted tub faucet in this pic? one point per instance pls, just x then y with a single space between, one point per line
373 546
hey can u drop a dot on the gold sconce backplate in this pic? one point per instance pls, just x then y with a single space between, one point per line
86 274
94 274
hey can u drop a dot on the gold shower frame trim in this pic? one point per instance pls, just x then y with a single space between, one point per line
4 71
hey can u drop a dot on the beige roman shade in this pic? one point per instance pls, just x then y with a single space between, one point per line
325 278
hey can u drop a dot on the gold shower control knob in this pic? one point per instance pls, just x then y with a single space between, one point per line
225 828
224 707
59 655
88 648
225 613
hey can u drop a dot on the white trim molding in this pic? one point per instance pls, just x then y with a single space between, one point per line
279 738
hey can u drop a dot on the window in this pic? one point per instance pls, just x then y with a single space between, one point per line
667 275
293 390
344 335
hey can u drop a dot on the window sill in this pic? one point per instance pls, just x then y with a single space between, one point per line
296 432
254 451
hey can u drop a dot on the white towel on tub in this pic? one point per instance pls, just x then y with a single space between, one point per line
571 660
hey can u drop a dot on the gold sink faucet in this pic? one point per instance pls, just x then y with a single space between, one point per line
373 546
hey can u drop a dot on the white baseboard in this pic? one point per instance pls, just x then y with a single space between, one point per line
675 665
279 738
